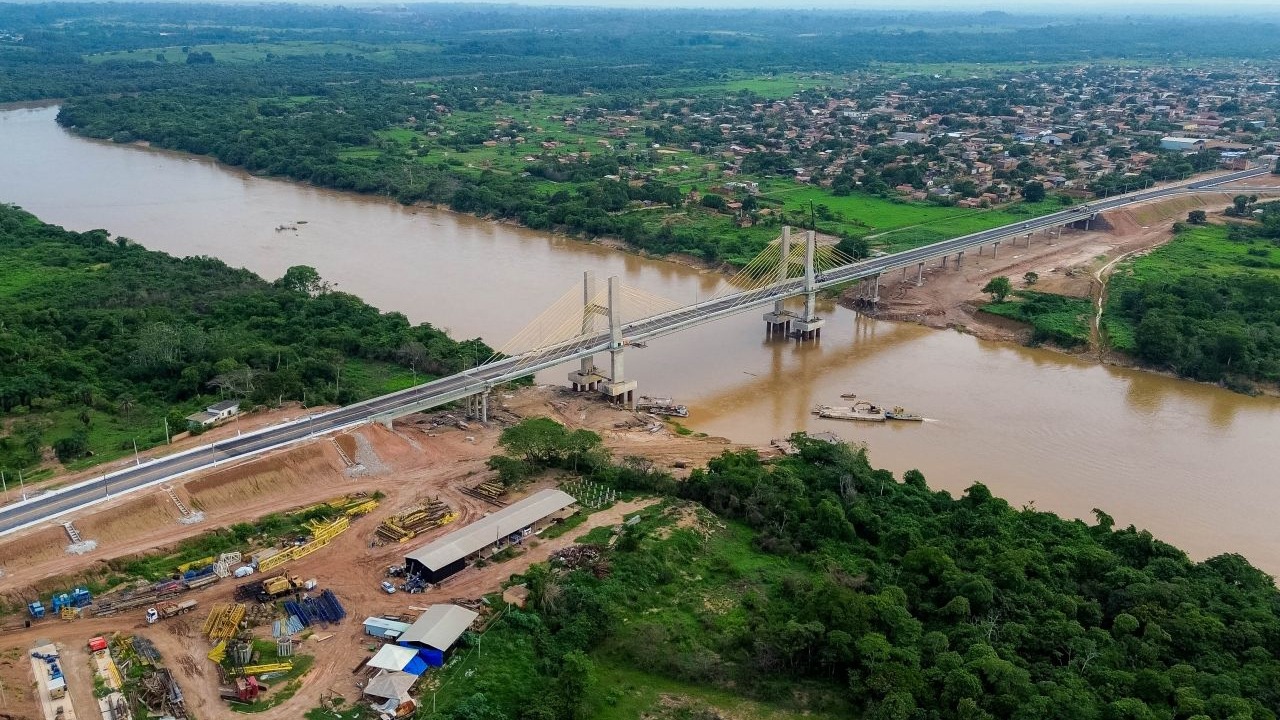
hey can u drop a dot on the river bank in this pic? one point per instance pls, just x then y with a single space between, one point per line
1072 263
1186 461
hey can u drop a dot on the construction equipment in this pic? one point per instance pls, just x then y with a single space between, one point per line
57 683
274 587
403 527
246 690
169 609
36 609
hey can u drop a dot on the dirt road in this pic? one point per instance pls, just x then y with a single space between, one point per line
417 459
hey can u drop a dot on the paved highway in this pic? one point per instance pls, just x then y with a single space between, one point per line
45 507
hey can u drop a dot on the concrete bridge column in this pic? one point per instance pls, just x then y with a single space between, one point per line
944 262
959 257
919 274
619 389
809 327
875 298
904 275
995 247
587 378
778 322
980 250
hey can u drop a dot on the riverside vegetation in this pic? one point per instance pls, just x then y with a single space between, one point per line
819 586
1203 306
101 340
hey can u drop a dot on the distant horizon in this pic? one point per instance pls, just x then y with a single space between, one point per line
1142 9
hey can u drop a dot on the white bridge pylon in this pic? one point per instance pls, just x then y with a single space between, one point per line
586 316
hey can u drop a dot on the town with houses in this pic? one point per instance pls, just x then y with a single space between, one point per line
970 142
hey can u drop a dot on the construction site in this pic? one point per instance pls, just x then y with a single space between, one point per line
279 623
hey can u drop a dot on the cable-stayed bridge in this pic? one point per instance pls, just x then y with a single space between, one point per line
598 318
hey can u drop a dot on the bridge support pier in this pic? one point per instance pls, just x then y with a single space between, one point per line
959 257
809 327
944 262
587 378
919 274
994 248
477 406
778 321
618 389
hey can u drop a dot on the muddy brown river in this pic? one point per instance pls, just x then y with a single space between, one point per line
1195 465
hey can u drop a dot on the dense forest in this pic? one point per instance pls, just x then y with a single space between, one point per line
1207 305
825 583
101 339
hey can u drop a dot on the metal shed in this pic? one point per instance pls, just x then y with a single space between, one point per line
439 627
445 556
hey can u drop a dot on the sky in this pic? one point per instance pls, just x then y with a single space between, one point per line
1144 8
1166 8
1022 6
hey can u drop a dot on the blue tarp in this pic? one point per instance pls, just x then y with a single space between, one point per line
416 666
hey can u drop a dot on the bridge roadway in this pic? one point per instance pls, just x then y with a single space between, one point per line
47 506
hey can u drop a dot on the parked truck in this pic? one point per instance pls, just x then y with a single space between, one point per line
169 609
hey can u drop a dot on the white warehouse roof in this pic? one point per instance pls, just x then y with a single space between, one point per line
481 533
440 626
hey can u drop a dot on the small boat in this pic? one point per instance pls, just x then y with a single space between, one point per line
897 413
849 396
840 412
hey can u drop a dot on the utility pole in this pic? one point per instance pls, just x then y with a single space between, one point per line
168 439
136 460
4 482
22 484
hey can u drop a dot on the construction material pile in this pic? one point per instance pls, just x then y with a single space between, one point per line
151 594
223 621
491 491
321 534
160 692
403 527
577 556
350 505
320 610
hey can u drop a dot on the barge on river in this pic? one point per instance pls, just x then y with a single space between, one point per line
661 406
865 412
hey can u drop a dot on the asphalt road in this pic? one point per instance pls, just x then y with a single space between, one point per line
48 506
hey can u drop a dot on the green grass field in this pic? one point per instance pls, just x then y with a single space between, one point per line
1056 318
1203 250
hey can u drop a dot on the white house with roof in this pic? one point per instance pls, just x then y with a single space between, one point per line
215 413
